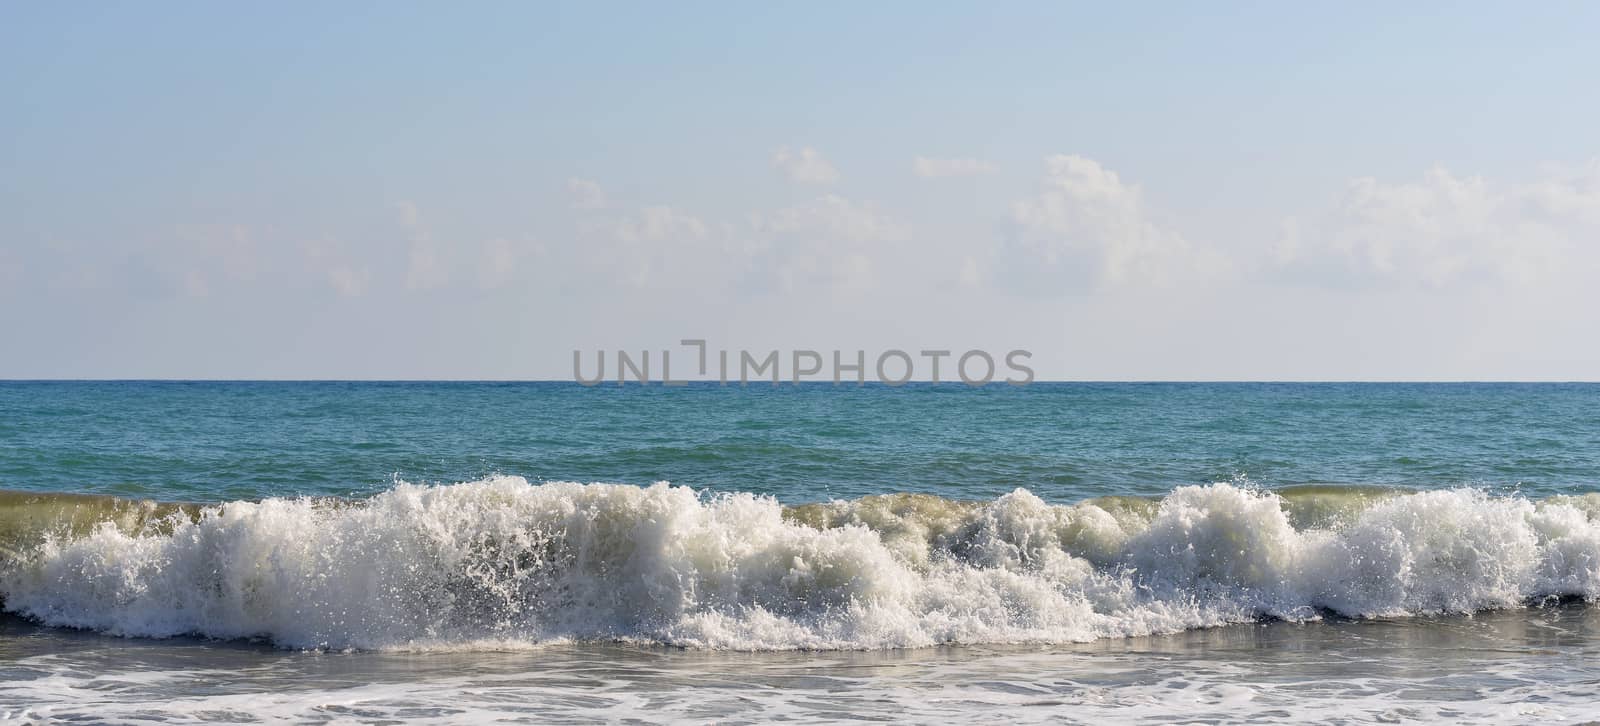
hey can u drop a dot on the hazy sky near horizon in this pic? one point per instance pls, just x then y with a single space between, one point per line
1133 191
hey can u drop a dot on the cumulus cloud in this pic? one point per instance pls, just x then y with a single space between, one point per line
1087 225
1443 229
805 166
660 223
830 241
831 217
585 194
658 246
929 168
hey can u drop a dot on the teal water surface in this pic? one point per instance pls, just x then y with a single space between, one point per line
218 441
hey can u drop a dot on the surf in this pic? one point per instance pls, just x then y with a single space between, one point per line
505 563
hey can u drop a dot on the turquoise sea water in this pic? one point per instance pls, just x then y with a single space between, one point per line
216 441
487 552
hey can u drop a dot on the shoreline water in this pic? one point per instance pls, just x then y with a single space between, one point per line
1490 667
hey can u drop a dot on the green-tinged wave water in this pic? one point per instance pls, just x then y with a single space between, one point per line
29 518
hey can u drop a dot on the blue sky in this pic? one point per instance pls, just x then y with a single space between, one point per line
1145 191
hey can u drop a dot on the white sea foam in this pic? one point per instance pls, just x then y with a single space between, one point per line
598 684
504 563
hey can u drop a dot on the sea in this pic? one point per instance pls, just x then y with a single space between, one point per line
430 552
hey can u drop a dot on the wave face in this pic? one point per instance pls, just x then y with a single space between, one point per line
504 563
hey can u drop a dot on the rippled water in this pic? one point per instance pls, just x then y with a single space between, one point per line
1501 667
208 441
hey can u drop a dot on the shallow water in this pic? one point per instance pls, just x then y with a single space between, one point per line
1510 666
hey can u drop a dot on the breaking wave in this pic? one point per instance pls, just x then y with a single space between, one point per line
503 563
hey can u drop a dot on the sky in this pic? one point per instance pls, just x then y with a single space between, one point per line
1129 191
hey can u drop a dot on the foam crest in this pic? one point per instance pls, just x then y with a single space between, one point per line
505 563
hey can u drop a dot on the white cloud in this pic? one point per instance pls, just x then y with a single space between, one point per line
585 194
660 223
928 168
1444 229
1086 223
657 247
426 269
805 166
831 217
327 257
830 241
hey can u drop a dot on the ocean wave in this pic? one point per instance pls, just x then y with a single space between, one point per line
502 563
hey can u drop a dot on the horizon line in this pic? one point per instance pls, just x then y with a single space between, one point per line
736 384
